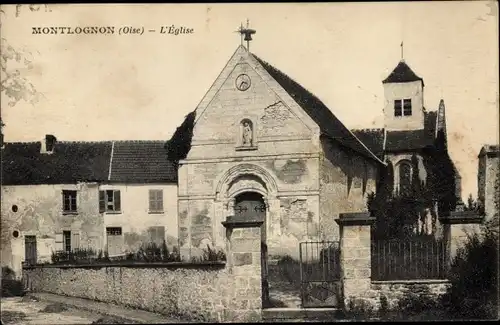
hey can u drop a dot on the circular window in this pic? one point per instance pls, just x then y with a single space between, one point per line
14 208
15 234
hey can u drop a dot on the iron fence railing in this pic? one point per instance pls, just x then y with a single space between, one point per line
409 259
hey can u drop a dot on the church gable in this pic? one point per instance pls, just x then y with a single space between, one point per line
245 110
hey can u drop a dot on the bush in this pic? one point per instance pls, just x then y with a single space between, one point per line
152 252
76 256
474 279
10 286
210 255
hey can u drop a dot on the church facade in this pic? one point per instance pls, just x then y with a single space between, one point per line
262 146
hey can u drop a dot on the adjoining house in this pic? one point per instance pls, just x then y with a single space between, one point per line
59 195
488 172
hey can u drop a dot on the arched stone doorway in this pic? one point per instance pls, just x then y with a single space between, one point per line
249 192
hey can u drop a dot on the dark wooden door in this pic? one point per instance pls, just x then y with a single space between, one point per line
30 255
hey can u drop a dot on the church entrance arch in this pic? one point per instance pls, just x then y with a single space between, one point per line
248 193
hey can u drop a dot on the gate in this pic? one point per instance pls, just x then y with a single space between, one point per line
320 274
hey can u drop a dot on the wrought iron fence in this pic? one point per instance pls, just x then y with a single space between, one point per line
409 259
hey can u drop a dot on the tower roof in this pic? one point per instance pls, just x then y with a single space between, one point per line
402 73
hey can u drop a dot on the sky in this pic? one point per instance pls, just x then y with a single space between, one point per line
118 87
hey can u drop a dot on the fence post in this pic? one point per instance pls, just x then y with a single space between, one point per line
355 255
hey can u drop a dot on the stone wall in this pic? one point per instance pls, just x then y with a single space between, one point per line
199 291
396 291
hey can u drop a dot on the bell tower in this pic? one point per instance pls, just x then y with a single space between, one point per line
404 99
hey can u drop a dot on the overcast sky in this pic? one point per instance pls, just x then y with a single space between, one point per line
102 87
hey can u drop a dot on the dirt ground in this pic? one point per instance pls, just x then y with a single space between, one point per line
24 311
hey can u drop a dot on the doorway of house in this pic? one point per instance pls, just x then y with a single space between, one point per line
30 255
251 206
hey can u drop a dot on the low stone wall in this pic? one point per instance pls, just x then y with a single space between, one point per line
395 291
202 292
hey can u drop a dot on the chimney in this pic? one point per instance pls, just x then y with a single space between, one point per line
48 144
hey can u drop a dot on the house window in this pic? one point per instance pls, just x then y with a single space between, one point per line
402 107
404 178
109 201
69 201
155 200
67 241
114 240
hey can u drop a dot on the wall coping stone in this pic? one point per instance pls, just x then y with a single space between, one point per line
420 281
234 223
462 217
355 219
174 265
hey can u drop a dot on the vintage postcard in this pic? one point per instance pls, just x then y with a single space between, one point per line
249 162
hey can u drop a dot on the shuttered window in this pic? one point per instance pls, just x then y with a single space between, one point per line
109 201
155 200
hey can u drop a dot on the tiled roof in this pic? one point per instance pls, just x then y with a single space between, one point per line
141 162
402 73
72 162
399 140
373 139
23 164
329 124
413 139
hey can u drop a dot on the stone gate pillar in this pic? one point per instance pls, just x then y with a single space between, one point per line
244 264
456 226
355 255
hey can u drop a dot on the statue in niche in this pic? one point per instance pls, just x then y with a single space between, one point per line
247 134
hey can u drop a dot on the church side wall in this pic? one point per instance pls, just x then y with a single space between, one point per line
344 185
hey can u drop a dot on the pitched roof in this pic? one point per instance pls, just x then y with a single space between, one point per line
399 140
413 139
23 164
72 162
402 73
328 123
373 139
141 162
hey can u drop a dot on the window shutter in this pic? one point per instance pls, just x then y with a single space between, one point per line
75 240
116 199
102 201
59 242
159 200
151 200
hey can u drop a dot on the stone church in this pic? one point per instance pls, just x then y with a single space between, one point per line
261 146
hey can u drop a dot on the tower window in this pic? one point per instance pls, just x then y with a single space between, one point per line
402 107
397 108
